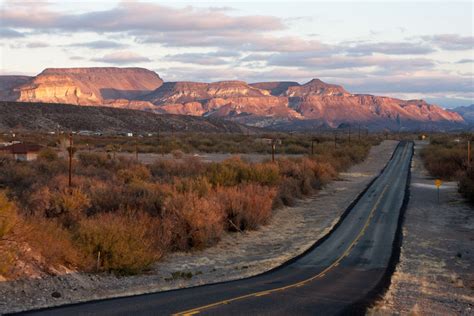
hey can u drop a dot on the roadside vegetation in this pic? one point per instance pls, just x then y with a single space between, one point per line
446 158
122 216
168 143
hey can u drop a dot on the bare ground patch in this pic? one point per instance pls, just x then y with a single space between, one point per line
291 231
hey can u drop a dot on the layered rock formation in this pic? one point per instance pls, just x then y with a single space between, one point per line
89 86
281 104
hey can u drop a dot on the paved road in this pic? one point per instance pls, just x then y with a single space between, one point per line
340 270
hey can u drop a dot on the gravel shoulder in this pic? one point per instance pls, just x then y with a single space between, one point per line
291 231
435 275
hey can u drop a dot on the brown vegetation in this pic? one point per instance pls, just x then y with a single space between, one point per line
446 158
122 216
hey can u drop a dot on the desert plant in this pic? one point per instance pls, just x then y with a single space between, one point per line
121 243
246 206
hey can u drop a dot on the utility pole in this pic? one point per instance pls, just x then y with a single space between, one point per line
469 154
136 150
273 149
70 150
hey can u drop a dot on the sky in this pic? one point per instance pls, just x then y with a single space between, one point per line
405 49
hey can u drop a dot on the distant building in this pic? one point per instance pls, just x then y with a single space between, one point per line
21 152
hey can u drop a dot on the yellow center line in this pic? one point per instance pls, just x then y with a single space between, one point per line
298 284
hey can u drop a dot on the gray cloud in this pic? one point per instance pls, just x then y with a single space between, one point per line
310 60
465 61
411 84
210 58
121 58
451 41
36 45
103 44
10 33
29 45
390 48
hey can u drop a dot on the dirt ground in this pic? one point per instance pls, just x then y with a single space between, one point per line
291 231
435 275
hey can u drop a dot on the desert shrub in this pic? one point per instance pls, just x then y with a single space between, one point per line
288 192
177 154
106 198
124 243
48 154
54 243
69 205
94 159
234 171
466 185
246 206
444 162
134 173
197 222
200 185
8 215
17 176
168 169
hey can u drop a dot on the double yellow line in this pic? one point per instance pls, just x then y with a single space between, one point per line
295 285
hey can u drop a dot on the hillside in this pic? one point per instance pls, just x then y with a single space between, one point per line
467 112
50 117
283 105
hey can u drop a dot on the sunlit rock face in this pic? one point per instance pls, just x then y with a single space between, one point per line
89 86
263 104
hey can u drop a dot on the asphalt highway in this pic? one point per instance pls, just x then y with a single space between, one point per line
341 270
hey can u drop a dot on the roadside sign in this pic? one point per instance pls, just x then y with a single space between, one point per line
438 183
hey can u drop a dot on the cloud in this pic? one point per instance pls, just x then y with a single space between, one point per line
10 33
138 16
102 44
390 48
36 45
411 84
451 41
121 58
76 58
29 45
313 61
210 58
465 61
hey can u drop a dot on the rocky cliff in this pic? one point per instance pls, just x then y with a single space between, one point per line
89 86
286 103
268 103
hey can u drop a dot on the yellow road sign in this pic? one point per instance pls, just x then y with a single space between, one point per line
438 182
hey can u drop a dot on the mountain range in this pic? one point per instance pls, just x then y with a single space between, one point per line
467 112
283 105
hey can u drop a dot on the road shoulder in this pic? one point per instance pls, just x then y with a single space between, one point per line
435 275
